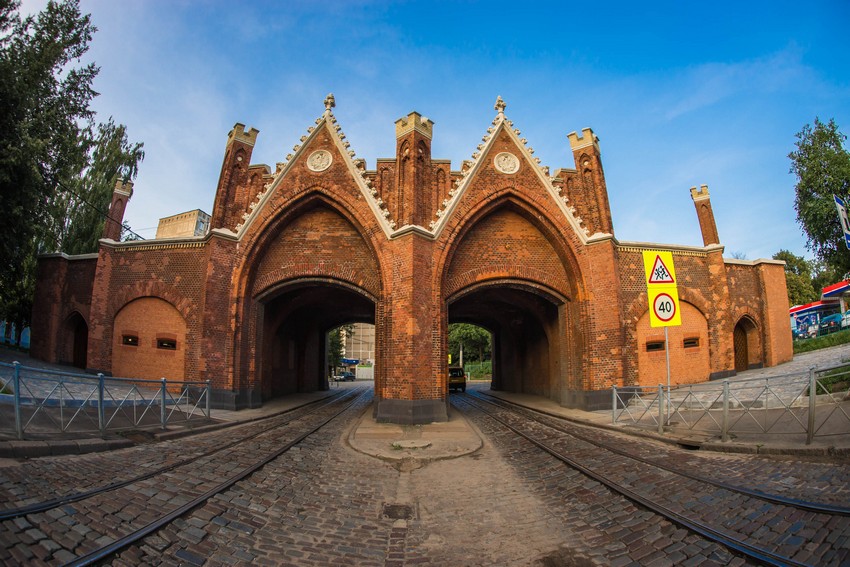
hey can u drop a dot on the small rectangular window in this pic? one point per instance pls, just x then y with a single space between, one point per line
654 346
167 344
691 342
131 340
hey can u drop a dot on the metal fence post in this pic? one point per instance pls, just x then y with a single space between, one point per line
661 409
724 424
813 397
16 384
209 394
162 417
613 405
101 417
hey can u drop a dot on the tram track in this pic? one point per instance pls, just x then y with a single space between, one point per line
583 433
190 482
250 431
695 502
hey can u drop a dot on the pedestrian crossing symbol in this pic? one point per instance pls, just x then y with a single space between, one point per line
659 273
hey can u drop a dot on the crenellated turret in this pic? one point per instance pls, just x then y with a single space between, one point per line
233 193
705 214
588 192
120 195
411 199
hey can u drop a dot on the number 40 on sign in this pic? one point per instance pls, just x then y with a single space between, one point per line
661 288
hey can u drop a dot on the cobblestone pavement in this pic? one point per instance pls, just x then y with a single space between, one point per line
325 503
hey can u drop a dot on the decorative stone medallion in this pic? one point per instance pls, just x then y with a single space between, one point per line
320 160
506 162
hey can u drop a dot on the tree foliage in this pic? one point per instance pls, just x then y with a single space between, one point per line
336 342
111 157
804 278
52 157
822 166
475 341
798 278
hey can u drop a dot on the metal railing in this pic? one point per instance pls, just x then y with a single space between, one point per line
48 400
779 405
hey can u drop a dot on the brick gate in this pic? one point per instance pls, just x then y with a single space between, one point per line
409 246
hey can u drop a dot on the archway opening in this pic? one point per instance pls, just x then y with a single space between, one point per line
77 337
471 348
524 322
295 355
747 345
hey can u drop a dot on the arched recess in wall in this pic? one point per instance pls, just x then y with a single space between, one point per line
508 272
75 340
688 343
149 341
312 269
748 347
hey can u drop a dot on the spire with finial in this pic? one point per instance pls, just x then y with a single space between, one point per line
330 102
500 106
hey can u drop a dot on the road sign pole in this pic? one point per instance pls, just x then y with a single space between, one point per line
667 352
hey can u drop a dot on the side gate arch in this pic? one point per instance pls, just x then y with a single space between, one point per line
507 267
310 267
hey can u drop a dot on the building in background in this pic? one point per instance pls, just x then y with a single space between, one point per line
190 223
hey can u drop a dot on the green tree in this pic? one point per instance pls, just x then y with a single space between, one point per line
798 278
112 157
822 166
336 342
43 103
48 147
475 341
824 275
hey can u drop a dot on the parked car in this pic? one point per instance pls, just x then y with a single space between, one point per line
845 320
457 379
345 377
805 331
830 324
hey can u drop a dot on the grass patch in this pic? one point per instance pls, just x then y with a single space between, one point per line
479 370
816 343
836 380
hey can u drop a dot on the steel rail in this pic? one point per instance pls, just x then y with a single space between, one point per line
129 539
750 551
12 513
809 506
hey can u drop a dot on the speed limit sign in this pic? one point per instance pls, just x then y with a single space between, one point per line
664 307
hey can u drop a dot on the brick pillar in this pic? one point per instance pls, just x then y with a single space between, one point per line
409 390
604 330
705 214
120 195
592 201
233 177
721 322
412 201
776 326
101 321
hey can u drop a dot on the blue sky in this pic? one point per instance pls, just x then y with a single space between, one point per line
679 93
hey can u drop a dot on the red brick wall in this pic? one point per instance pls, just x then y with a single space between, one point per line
149 319
173 272
320 241
63 286
687 365
505 244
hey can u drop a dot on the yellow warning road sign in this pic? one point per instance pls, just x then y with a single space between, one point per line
658 265
661 289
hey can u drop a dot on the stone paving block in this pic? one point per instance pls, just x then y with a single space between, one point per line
189 557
